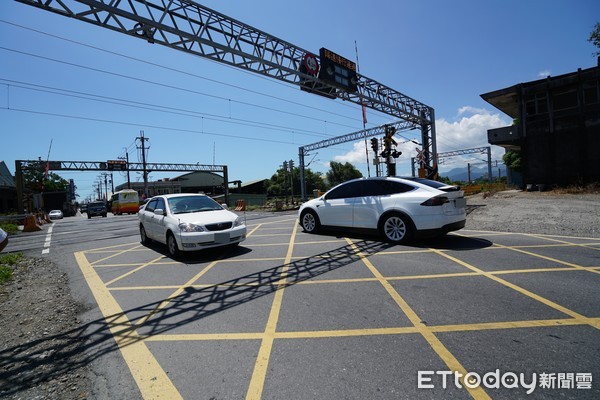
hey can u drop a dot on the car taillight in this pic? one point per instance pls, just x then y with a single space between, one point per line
435 201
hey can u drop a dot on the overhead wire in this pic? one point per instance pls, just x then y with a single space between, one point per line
171 69
156 107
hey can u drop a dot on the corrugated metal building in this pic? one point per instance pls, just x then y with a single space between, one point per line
557 127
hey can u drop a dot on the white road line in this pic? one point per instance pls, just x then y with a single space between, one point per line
48 240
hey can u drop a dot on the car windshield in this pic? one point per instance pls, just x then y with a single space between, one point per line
99 204
192 204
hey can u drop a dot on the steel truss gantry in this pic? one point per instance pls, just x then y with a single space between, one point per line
477 150
22 165
351 137
190 27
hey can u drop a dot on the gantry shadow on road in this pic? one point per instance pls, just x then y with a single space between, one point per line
24 366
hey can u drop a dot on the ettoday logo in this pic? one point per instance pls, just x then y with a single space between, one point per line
509 380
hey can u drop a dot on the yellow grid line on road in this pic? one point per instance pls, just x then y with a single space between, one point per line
149 376
270 334
428 335
118 253
576 266
133 271
401 330
543 300
359 280
259 374
541 235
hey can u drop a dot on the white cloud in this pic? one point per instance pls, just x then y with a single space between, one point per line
468 131
545 73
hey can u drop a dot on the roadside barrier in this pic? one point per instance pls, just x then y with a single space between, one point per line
31 224
240 205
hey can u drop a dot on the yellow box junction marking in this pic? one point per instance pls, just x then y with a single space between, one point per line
153 382
257 381
149 376
424 330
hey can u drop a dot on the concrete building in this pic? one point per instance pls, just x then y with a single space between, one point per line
8 190
192 182
556 129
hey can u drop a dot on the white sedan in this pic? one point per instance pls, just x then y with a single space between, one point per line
55 214
398 208
188 222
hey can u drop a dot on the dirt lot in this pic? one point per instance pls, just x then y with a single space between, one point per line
40 354
536 212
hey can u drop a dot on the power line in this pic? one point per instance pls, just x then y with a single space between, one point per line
189 73
147 81
156 107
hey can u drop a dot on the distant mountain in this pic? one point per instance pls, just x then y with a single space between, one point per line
461 174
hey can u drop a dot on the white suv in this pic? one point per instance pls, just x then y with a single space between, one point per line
398 208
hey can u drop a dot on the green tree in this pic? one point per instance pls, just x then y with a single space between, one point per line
595 38
279 184
512 159
339 173
35 179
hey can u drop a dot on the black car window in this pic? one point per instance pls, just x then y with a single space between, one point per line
427 182
151 205
392 187
160 204
347 190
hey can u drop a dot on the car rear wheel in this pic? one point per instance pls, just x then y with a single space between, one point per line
310 221
395 228
172 245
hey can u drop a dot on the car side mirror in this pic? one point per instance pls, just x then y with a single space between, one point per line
160 211
224 206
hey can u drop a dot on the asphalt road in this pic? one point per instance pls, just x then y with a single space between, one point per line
298 316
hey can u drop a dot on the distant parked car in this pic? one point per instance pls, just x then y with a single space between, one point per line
55 214
83 208
398 208
188 222
96 209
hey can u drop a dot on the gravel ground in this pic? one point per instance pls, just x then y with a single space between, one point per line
40 336
41 350
536 212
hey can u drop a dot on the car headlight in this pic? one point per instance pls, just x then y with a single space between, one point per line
238 221
187 227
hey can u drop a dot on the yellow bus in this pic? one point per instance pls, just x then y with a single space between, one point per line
125 201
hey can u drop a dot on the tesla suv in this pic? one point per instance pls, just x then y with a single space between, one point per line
399 209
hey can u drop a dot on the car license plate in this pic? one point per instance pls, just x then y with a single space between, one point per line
221 237
460 203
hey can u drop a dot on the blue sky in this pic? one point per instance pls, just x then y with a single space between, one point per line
442 53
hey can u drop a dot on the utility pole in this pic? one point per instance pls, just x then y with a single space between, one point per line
127 159
143 139
469 172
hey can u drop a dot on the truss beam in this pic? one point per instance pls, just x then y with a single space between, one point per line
39 165
187 26
351 137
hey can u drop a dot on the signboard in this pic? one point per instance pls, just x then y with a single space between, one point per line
338 71
116 165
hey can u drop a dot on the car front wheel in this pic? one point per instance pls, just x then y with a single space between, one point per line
395 228
172 245
310 221
143 236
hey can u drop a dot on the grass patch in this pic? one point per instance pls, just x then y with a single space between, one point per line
10 259
11 229
6 263
6 272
